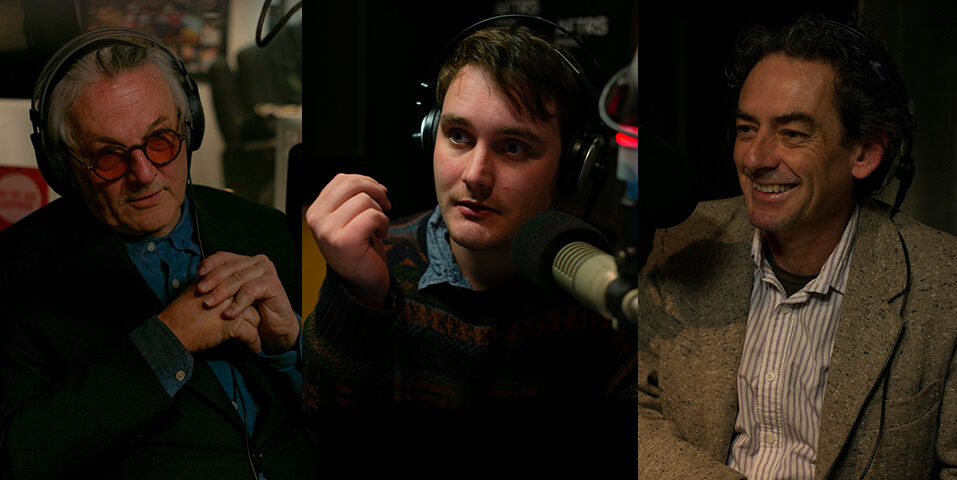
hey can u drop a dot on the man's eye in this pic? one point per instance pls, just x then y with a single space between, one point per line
744 131
793 135
514 148
458 137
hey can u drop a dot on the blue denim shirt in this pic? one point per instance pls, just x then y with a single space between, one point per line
168 264
442 267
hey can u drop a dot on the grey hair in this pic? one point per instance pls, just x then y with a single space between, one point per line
107 62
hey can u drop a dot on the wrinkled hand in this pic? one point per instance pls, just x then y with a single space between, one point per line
250 282
348 221
199 327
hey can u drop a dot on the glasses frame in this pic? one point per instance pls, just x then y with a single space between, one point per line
127 155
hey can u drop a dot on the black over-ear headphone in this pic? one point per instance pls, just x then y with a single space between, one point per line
56 171
582 149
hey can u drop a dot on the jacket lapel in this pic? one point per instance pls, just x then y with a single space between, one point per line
205 385
114 287
735 289
868 328
707 353
215 234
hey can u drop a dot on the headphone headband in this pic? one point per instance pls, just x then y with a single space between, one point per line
509 20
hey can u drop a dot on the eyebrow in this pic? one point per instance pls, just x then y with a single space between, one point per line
794 117
452 119
159 120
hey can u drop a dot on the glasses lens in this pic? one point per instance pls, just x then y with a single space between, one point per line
110 165
162 147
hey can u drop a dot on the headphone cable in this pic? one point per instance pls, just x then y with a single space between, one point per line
241 405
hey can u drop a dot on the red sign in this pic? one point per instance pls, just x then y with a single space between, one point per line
22 190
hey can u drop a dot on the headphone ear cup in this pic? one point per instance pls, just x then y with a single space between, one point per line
197 119
57 178
429 129
579 160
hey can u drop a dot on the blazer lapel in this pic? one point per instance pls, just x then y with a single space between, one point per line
868 328
216 234
727 349
268 393
708 349
114 287
205 385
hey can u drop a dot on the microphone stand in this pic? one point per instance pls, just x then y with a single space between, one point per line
622 294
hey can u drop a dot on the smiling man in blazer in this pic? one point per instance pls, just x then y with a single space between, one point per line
805 330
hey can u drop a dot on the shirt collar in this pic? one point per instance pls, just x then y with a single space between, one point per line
442 267
181 238
835 270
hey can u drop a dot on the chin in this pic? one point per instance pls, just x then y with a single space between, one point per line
477 240
152 225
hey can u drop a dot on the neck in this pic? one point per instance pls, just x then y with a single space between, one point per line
484 269
804 252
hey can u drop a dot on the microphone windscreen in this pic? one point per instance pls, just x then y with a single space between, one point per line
539 239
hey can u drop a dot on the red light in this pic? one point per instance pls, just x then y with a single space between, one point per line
627 140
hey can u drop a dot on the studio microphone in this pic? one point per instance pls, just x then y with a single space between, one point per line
557 252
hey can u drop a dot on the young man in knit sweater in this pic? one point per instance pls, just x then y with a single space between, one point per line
423 332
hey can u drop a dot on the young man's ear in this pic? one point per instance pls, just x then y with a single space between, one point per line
869 158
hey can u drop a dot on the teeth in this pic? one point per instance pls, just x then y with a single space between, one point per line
772 188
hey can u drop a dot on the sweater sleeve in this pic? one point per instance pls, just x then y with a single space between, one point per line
346 353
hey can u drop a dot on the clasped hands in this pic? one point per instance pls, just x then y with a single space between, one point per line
235 298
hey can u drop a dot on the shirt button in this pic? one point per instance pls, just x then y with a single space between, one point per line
180 375
175 283
772 439
770 376
151 246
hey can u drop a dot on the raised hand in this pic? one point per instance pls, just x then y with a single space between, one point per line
348 221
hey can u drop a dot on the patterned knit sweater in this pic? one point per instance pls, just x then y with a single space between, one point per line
448 357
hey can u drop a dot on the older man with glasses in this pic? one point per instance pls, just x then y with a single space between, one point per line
126 352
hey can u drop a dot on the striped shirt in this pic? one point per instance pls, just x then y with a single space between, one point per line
784 366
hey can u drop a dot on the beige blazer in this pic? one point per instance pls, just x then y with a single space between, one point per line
695 306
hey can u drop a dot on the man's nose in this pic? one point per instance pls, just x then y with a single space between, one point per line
757 153
141 168
479 173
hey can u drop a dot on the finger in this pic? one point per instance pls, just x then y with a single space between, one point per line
251 316
340 226
223 282
266 293
247 334
372 221
213 261
344 187
258 290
